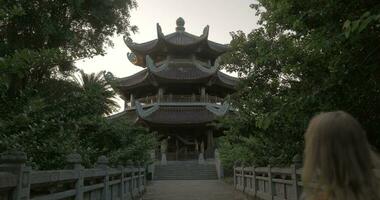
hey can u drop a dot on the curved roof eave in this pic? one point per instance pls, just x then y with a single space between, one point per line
171 115
145 76
133 79
178 39
227 80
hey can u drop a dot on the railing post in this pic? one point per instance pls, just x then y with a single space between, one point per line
243 177
122 183
102 163
139 179
129 187
132 184
144 172
254 185
297 163
270 182
14 162
74 161
135 181
235 175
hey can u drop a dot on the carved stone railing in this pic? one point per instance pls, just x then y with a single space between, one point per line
268 182
18 181
180 99
271 182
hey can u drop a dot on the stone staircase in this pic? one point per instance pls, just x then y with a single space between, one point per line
185 170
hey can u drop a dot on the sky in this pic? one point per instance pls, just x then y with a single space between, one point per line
223 17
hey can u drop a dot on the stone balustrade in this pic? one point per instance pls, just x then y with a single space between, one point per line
271 182
18 181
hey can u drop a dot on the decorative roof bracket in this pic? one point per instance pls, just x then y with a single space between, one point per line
144 113
152 66
132 57
212 69
221 111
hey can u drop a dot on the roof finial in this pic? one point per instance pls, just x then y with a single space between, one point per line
180 24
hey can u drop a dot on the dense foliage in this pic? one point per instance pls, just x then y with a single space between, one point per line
43 110
306 57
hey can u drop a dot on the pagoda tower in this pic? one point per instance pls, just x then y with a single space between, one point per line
179 92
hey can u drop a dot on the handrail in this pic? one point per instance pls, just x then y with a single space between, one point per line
75 182
271 182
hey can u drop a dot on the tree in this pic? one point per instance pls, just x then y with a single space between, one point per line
98 89
42 110
306 57
41 38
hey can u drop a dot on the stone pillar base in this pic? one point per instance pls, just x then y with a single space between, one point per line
163 159
201 159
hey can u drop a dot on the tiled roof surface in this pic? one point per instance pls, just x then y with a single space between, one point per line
135 79
181 115
182 71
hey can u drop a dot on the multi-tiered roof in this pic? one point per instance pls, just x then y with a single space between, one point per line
183 65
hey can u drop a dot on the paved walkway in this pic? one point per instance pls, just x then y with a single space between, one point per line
191 190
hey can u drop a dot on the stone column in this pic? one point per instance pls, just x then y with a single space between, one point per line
176 149
164 146
210 144
201 158
203 94
132 100
160 94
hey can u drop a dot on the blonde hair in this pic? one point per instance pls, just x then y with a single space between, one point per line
338 163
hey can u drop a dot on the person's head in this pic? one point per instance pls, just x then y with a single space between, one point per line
337 160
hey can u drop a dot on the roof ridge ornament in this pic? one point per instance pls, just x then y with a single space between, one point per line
205 32
128 40
180 24
159 32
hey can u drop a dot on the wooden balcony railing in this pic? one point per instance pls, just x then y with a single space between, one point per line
180 99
